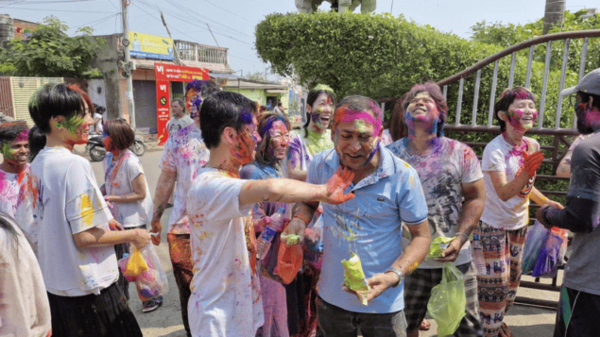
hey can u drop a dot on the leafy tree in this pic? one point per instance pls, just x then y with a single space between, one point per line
383 56
50 52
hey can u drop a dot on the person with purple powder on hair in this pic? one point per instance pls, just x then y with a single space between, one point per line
453 184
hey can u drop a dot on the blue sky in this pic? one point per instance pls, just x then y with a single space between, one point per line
233 21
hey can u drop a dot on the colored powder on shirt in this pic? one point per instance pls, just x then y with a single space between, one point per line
87 210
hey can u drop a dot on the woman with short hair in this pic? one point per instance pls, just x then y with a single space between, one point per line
126 188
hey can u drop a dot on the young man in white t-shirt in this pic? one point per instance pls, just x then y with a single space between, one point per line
225 298
75 244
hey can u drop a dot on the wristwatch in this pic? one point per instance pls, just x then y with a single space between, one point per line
397 272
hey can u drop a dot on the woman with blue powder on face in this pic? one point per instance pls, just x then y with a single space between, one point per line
274 131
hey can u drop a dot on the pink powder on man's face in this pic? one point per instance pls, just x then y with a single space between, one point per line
347 115
22 136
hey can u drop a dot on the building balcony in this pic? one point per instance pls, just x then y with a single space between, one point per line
200 55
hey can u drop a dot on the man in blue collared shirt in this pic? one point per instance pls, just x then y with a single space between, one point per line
388 192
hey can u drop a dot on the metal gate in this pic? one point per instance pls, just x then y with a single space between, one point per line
144 93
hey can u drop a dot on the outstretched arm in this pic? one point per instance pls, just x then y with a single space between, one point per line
290 191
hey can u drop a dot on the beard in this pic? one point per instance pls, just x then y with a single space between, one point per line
588 119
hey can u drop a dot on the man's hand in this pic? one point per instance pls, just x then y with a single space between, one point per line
156 227
115 225
378 284
451 252
141 237
540 217
552 203
297 227
336 185
532 162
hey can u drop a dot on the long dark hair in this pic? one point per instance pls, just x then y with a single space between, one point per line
37 141
265 122
313 94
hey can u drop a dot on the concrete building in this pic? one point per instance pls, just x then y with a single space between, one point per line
145 51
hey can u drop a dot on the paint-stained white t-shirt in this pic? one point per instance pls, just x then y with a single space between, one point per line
501 156
225 298
118 178
70 202
184 154
17 200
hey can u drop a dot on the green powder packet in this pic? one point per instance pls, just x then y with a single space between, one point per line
354 277
438 245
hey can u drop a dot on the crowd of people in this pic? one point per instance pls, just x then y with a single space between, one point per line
248 189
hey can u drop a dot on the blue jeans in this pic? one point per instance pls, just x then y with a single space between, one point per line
337 322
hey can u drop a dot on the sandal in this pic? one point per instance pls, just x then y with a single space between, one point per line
425 325
505 331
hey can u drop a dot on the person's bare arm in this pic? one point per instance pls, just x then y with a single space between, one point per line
98 237
294 159
139 192
290 190
472 208
564 167
540 199
164 189
302 213
407 262
507 190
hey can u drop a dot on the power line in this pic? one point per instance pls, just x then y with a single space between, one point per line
206 19
24 2
228 11
191 37
190 21
57 10
96 22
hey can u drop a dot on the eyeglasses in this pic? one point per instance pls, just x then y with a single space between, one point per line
574 100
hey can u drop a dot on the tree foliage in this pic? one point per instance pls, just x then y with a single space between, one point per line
383 56
50 52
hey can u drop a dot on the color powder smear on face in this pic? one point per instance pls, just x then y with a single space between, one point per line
71 123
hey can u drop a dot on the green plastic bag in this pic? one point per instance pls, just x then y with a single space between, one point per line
354 277
447 302
438 246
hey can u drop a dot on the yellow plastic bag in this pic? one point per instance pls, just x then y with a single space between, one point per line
448 300
354 277
136 264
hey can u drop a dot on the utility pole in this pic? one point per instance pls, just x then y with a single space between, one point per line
127 66
177 59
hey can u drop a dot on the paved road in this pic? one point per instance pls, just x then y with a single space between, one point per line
166 321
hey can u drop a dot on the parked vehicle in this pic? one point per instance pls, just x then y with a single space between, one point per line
96 150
